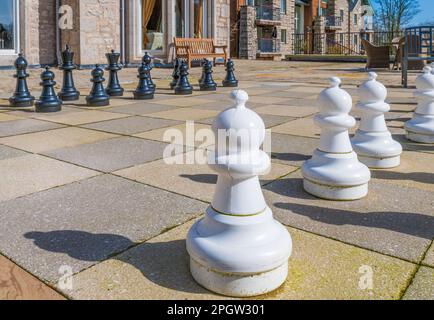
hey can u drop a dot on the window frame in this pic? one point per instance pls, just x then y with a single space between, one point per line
16 17
284 38
285 9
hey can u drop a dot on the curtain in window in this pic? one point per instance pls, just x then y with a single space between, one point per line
147 10
198 18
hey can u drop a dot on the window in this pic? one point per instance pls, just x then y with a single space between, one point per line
9 26
341 15
283 36
200 13
355 19
283 6
152 25
180 25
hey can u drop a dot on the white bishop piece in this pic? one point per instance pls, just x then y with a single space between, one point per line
421 127
334 172
373 142
238 249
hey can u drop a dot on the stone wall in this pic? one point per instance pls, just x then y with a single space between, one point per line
223 24
288 24
248 33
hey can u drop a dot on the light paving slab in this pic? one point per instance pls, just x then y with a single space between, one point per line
422 285
86 222
292 150
386 221
55 139
141 108
416 171
17 127
184 114
113 154
429 257
269 100
193 180
287 111
132 125
32 173
269 120
79 117
17 284
159 269
183 102
6 117
166 134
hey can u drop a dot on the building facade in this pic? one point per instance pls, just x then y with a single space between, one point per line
40 29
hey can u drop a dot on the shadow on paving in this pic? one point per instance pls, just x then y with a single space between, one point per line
153 260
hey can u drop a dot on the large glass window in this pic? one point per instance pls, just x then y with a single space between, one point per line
200 11
180 17
152 25
8 25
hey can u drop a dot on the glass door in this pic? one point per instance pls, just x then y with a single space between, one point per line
152 25
9 27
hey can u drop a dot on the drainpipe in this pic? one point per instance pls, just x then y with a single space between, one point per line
122 31
57 33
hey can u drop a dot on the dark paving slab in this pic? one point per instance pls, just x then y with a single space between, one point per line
132 125
113 154
16 127
7 153
386 221
292 150
83 223
422 285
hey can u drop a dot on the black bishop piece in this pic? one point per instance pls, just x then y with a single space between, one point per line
22 97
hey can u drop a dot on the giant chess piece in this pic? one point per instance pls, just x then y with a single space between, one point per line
230 80
183 86
68 91
175 74
49 101
114 88
207 82
334 172
373 142
147 60
22 97
144 89
98 97
238 249
421 127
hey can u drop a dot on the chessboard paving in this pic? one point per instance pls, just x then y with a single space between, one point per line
87 188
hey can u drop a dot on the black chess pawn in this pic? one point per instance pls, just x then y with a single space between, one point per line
147 60
204 61
230 80
175 74
183 86
48 101
207 83
22 97
98 97
144 89
114 88
68 91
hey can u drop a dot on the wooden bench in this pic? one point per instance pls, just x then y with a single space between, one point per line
193 49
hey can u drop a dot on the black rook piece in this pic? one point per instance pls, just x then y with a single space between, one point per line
144 90
48 102
68 92
114 89
207 82
147 60
183 86
98 97
175 74
22 97
230 80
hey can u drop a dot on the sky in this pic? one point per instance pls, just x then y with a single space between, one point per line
426 13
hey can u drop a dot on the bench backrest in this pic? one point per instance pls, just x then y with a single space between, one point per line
198 45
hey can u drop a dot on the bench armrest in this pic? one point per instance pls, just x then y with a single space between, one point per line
221 47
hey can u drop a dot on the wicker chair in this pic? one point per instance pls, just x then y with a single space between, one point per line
378 56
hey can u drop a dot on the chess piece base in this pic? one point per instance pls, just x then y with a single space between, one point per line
22 103
230 84
239 256
183 92
143 96
98 102
208 88
73 96
48 107
420 128
336 176
239 285
377 150
115 93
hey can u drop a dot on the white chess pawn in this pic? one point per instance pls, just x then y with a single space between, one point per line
421 127
373 142
334 172
238 249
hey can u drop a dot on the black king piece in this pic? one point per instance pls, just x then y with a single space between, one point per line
114 88
22 97
49 101
68 91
